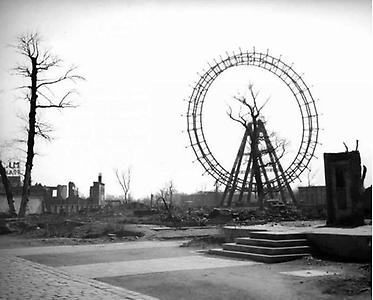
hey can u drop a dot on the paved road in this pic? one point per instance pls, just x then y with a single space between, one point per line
22 279
155 269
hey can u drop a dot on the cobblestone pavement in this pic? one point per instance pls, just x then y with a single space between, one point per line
22 279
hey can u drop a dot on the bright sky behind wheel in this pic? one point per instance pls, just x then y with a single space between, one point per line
140 59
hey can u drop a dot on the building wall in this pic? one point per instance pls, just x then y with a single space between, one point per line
312 196
62 191
97 193
68 206
56 192
312 201
73 191
34 206
203 199
101 194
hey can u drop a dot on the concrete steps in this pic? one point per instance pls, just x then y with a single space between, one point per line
266 250
257 257
271 243
268 247
277 235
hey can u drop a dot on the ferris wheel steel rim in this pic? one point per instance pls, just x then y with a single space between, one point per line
299 89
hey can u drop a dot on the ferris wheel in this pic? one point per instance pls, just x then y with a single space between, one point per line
256 151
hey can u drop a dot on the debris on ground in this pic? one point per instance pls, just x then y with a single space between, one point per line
205 242
117 223
350 286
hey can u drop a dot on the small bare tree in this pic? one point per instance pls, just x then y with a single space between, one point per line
171 190
39 73
310 176
124 179
165 194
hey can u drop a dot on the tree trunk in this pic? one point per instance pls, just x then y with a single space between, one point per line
256 169
125 197
259 187
8 190
30 141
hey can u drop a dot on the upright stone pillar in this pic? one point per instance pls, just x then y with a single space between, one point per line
343 189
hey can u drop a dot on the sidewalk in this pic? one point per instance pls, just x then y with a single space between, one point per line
22 279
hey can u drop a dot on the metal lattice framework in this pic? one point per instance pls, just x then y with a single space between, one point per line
297 86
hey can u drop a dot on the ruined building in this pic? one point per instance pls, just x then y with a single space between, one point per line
57 200
54 199
97 191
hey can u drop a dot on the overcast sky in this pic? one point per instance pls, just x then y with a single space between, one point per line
140 59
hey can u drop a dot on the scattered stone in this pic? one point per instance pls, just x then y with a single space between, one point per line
4 228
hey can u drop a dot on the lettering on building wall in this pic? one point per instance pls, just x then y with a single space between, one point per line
13 168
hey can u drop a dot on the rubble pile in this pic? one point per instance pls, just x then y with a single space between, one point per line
181 218
237 216
117 221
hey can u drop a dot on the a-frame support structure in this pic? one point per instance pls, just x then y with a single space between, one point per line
256 169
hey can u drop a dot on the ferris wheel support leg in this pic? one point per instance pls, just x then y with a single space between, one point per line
235 180
274 161
281 190
224 194
250 188
245 179
228 184
287 185
232 185
269 187
291 193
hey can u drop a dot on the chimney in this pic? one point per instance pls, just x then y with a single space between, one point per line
100 177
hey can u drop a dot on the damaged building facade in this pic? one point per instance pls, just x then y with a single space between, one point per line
54 199
62 199
36 198
97 191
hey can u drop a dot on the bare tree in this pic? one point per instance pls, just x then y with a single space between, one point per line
39 73
310 176
165 194
217 186
8 189
124 179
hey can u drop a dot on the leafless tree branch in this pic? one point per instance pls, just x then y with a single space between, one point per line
124 179
22 71
241 120
62 103
66 76
44 130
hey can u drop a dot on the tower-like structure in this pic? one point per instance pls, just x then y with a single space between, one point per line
97 191
254 165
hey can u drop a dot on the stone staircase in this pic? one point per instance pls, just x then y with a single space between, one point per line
268 247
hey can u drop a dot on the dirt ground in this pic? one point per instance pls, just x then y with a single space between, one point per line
111 224
355 278
110 227
97 228
93 229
